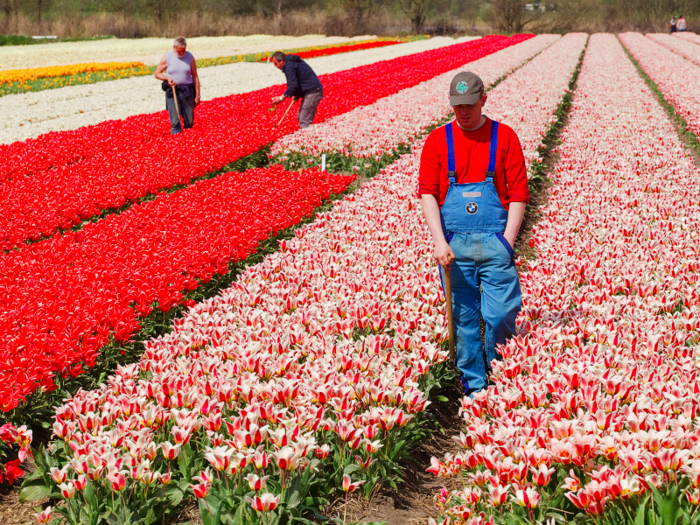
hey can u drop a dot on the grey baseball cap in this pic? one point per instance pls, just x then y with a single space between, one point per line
465 88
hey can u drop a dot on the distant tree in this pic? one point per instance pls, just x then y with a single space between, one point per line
417 12
358 12
8 7
511 16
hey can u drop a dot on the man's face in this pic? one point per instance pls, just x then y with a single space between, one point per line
279 64
180 50
469 115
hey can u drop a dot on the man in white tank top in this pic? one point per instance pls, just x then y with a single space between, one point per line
177 69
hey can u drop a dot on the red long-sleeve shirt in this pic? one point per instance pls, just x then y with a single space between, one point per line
472 160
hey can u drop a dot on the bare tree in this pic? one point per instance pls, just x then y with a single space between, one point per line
417 12
512 16
358 12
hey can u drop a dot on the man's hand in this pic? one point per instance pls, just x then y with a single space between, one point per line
172 82
197 100
510 241
277 100
444 254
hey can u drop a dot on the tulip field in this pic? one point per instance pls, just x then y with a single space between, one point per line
310 376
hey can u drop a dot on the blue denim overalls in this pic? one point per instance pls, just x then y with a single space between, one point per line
484 279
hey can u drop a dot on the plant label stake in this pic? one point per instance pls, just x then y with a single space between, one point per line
323 162
448 302
285 113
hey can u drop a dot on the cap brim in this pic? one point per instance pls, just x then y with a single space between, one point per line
458 100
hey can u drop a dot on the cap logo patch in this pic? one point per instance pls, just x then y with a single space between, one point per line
472 208
462 88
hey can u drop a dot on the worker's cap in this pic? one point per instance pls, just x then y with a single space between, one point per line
466 88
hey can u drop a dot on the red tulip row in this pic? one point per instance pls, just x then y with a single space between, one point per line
61 178
63 299
344 48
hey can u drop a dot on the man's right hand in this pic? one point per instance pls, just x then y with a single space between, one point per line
444 254
172 82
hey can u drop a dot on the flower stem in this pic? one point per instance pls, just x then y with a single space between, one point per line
345 515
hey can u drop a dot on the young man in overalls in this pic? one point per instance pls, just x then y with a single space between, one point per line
473 187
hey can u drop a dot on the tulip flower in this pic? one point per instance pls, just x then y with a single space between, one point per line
256 483
263 503
170 451
45 515
59 475
528 498
117 480
67 490
201 490
286 458
348 485
542 475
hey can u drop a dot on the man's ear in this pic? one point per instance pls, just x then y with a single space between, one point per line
483 100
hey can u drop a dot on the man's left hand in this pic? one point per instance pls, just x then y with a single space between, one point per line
197 100
510 241
277 100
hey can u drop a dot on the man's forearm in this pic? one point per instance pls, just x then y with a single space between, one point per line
516 212
431 212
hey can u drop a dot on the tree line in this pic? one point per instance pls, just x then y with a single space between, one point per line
421 15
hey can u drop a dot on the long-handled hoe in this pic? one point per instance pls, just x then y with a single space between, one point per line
285 113
177 106
450 322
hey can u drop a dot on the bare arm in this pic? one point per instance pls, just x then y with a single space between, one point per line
516 212
195 76
431 211
160 71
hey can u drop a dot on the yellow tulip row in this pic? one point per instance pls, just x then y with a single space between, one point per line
30 74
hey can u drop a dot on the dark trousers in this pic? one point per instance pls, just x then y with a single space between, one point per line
307 110
186 104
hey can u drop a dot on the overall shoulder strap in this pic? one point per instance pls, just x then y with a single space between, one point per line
451 170
492 152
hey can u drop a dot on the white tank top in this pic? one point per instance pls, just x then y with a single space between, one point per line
179 69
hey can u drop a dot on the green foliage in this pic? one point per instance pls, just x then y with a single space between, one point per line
16 40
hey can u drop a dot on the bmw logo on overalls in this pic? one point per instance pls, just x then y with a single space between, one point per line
472 208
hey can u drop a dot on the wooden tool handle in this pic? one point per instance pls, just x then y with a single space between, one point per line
285 113
177 106
450 322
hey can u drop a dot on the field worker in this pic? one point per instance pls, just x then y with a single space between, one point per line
681 25
178 69
672 24
473 187
302 82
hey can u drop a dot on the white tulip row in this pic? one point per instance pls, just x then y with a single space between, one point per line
149 50
32 114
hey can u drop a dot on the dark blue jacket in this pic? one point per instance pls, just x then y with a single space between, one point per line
301 79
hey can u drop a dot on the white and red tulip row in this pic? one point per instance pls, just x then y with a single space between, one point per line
597 396
685 48
377 129
690 37
528 99
326 339
673 74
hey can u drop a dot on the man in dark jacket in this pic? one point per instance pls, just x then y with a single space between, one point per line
303 83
